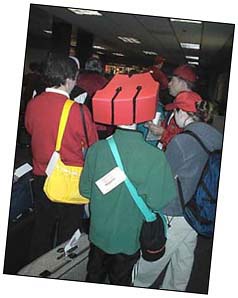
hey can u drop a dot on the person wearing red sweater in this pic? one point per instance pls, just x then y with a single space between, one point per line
92 79
41 121
183 79
157 73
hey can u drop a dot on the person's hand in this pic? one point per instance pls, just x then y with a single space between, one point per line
156 130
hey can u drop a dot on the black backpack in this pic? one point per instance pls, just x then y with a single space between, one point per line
200 211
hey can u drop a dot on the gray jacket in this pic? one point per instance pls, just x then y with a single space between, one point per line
187 159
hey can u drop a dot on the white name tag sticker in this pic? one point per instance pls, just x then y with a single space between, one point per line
22 170
111 180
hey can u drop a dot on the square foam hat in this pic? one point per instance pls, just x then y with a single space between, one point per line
126 100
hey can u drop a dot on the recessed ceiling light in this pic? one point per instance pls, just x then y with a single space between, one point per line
98 47
73 43
193 62
187 45
85 12
185 21
149 53
192 57
129 39
118 54
48 31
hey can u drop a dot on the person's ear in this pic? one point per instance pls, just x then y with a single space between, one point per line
69 84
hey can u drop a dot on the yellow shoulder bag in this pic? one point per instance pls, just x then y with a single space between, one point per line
62 183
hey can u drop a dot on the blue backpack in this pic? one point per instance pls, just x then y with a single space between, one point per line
200 211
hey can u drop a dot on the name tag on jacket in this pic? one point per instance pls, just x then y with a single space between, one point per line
111 180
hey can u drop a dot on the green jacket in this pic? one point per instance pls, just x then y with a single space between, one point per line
115 219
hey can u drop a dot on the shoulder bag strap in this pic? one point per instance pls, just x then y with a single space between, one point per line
63 120
84 124
148 214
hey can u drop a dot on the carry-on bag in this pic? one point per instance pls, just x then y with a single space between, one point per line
62 182
22 201
18 241
61 265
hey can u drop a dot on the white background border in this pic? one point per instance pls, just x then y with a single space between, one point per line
14 21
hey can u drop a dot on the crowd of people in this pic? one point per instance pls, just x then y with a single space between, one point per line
152 166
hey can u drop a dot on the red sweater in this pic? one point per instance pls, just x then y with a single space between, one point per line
91 82
42 120
159 76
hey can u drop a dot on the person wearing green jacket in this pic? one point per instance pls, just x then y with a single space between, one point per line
115 220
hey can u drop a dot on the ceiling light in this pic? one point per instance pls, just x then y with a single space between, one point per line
99 47
73 43
129 39
48 31
187 45
185 21
100 53
85 12
149 53
192 57
118 54
193 62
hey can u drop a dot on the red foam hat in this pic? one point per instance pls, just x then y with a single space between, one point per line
126 100
185 101
185 72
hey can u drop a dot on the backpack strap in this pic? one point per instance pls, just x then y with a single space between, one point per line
195 136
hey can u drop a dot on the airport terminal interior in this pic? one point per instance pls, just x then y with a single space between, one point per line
125 44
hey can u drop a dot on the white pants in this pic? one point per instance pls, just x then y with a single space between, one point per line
179 255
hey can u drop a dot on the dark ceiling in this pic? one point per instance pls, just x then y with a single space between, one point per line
156 34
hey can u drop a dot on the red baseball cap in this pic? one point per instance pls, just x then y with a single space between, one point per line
185 101
185 72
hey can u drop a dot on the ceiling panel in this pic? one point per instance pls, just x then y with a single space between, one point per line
156 34
214 40
187 32
215 35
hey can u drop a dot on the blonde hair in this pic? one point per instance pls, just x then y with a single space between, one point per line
204 112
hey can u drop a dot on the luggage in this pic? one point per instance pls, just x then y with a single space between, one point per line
21 220
21 197
55 264
18 242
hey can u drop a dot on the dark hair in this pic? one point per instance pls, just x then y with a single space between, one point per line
204 112
94 64
59 68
